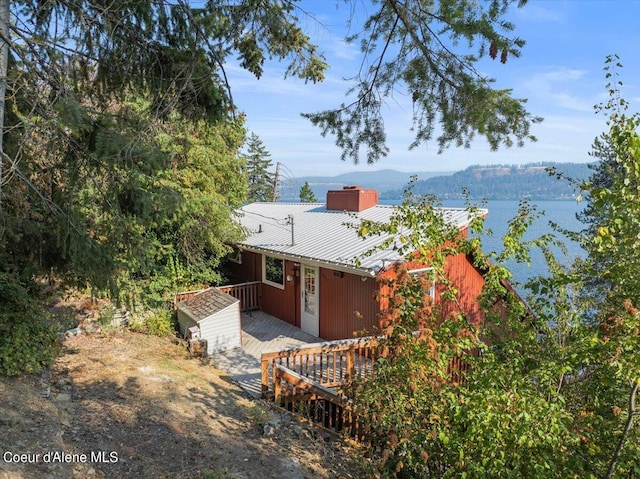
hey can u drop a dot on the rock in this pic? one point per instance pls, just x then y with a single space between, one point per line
73 332
322 436
63 383
302 432
271 428
62 397
286 417
91 327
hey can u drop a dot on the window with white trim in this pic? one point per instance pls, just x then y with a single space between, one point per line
429 274
273 271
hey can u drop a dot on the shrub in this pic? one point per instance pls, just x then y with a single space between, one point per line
27 333
158 322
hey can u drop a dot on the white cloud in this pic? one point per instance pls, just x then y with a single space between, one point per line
538 12
560 73
341 50
557 87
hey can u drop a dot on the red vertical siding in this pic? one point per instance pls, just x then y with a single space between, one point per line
283 303
464 277
347 304
469 282
250 268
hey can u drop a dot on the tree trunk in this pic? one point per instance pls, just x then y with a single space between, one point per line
627 428
4 59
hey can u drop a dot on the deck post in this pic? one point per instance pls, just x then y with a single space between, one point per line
264 374
351 366
277 386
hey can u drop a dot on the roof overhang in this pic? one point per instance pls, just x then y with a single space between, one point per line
336 266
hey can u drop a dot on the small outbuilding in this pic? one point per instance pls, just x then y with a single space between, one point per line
217 317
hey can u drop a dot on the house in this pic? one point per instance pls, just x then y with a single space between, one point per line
313 270
213 316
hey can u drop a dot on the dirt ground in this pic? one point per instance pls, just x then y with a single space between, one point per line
123 404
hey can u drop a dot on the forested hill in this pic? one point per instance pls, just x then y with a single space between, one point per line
503 182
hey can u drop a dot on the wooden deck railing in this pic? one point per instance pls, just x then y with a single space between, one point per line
247 293
319 405
330 364
308 381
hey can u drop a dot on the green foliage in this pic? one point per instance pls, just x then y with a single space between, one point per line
148 213
27 333
274 270
613 211
612 334
257 414
106 314
412 47
463 397
157 322
173 51
545 390
121 169
306 194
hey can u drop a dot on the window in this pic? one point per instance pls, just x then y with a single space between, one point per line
428 273
309 290
273 271
235 256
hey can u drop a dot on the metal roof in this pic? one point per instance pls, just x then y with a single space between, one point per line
323 237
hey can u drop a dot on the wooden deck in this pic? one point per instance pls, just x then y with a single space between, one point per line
261 333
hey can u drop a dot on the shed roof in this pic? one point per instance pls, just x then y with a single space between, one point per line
322 236
206 303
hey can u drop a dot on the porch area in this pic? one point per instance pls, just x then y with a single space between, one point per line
296 370
299 372
261 333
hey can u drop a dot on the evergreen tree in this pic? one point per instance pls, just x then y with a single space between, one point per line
407 46
120 137
306 194
261 181
112 101
71 92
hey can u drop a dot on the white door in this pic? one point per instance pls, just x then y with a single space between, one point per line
309 319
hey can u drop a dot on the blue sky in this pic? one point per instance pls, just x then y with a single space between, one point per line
560 72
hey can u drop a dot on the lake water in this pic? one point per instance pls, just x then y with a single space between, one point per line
562 213
501 211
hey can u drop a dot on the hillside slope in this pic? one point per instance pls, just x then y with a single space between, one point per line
381 180
503 182
137 407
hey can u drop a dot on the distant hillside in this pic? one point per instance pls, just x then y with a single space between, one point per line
381 180
502 182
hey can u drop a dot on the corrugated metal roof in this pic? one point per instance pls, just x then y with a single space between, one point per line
206 303
322 236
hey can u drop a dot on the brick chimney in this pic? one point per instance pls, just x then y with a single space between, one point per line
351 198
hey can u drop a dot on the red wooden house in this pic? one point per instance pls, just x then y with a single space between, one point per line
304 255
